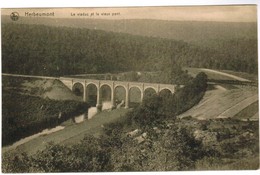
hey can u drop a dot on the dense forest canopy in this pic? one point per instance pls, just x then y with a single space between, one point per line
55 51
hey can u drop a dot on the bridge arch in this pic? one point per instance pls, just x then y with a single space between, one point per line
135 86
120 93
135 96
78 89
91 94
166 88
105 96
120 85
92 83
106 84
165 92
149 91
151 87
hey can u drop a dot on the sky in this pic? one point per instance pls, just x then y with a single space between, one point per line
226 13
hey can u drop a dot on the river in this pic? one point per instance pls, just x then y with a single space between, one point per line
92 111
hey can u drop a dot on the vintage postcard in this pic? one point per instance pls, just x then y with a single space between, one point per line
127 89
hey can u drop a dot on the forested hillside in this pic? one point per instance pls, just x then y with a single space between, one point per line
188 31
55 51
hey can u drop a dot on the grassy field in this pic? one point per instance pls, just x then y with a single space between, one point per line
231 112
250 111
225 101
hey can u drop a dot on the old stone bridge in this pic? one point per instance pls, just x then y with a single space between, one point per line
71 83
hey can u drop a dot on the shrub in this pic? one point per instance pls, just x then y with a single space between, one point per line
15 162
87 156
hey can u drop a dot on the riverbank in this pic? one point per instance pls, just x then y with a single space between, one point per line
71 134
25 115
31 104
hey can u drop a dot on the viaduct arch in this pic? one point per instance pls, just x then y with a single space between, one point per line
143 87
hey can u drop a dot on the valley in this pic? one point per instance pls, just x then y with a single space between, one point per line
130 94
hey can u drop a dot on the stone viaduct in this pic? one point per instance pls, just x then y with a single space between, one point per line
71 82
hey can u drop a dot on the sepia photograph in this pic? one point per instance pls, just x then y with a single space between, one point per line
130 89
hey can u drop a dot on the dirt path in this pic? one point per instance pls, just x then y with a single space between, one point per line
70 134
226 74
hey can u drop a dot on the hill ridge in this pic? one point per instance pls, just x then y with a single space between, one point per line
190 31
